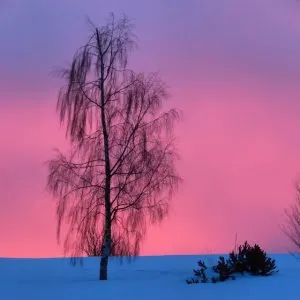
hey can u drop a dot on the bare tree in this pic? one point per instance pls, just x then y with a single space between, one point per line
292 225
94 241
120 173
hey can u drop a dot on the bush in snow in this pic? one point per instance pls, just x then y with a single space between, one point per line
201 272
249 259
223 270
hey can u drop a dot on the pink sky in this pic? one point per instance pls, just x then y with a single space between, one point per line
233 70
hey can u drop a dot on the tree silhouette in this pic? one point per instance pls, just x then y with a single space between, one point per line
120 174
292 224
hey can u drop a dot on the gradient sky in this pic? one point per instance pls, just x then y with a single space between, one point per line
233 67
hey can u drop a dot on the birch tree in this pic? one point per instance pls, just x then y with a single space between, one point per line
120 174
291 227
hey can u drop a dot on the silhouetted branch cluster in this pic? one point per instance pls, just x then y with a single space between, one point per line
120 172
292 225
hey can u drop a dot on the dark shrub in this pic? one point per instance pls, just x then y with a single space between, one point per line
201 272
258 263
223 269
238 261
250 259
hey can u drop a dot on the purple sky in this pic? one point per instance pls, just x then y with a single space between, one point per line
233 67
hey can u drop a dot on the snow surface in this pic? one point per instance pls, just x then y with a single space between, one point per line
161 277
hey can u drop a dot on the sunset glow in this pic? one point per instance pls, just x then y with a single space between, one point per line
233 68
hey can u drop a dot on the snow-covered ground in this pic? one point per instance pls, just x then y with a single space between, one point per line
161 277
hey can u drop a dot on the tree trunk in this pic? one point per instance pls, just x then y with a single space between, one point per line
107 237
107 224
103 268
104 257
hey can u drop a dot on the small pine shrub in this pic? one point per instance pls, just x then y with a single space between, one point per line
201 272
251 259
258 263
248 259
223 269
238 261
